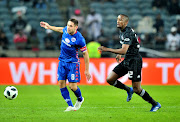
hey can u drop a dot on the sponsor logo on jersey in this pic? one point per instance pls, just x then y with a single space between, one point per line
66 43
67 40
73 39
127 39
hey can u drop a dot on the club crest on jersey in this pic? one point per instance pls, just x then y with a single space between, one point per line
67 40
73 39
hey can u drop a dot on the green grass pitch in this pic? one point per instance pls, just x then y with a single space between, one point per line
102 103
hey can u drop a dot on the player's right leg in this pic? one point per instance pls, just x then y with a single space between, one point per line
65 95
61 73
144 94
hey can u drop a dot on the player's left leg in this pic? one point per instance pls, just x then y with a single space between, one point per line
144 94
112 80
118 72
73 78
77 92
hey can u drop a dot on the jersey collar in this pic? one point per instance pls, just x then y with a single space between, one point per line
124 29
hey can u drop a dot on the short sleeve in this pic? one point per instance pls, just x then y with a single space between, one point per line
64 29
82 44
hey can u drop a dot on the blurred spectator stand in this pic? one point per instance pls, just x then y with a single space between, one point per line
20 40
173 40
49 40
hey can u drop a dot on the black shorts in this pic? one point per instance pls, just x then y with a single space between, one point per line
131 66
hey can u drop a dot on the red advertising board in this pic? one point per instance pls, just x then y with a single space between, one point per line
43 71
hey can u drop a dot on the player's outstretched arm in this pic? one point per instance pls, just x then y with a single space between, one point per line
47 26
86 60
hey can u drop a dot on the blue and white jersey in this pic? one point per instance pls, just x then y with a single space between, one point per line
70 45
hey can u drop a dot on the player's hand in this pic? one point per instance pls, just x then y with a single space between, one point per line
102 48
88 76
44 25
118 58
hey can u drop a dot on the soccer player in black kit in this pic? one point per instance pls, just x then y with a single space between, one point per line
132 63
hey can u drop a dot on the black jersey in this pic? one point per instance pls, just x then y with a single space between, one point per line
128 36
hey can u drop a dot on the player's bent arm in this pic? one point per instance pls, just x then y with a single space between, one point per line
86 60
120 51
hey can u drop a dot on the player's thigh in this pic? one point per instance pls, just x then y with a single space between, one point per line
134 70
120 70
61 72
74 72
112 77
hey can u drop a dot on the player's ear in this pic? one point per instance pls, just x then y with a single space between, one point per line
76 27
126 22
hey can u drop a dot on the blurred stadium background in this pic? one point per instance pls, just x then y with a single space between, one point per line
57 12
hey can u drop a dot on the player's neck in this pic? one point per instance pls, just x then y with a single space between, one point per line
123 27
73 33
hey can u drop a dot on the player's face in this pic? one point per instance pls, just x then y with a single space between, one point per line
71 28
120 22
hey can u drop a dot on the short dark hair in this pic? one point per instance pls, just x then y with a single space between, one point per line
125 17
74 21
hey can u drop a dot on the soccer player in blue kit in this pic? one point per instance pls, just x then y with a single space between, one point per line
69 65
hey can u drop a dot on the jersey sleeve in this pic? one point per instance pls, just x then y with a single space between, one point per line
82 44
64 29
127 38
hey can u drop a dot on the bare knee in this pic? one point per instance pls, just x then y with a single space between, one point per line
110 81
62 84
137 87
73 88
112 77
137 90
